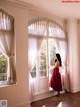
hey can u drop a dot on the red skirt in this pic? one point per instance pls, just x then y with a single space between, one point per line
55 81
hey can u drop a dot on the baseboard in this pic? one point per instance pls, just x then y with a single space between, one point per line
45 95
74 90
42 96
25 104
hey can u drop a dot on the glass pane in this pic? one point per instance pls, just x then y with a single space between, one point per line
43 59
3 67
63 53
38 28
33 72
51 51
56 32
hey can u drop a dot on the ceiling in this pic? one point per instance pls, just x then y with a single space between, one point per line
57 7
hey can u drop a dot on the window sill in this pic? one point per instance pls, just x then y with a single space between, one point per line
5 84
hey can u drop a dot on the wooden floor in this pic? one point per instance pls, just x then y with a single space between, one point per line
63 100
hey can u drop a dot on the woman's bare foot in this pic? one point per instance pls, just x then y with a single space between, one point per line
58 93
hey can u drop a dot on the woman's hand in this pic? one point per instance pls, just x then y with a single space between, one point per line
50 67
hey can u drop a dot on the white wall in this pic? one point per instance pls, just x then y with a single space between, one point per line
73 40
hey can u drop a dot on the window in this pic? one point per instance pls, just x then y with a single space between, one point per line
3 68
46 58
45 33
43 59
49 37
45 39
7 69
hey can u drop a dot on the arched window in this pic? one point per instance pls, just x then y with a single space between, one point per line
7 69
46 38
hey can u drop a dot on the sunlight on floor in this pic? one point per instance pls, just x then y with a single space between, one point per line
43 106
60 104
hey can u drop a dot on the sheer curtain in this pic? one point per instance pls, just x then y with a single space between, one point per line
37 29
64 55
7 44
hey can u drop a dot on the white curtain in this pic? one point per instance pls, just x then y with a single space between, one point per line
7 44
32 54
36 32
64 55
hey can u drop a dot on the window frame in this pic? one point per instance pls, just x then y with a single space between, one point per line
47 58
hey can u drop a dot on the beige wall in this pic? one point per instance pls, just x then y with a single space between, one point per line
18 93
35 14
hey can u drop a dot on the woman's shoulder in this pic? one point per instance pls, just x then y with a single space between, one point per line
57 64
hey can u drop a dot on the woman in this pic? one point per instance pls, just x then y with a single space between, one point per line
55 81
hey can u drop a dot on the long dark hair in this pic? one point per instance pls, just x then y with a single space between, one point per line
59 58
